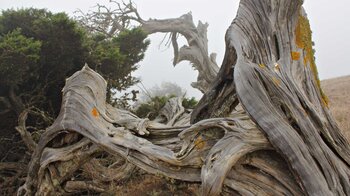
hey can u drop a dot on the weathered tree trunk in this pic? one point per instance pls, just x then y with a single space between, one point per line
277 83
197 50
283 142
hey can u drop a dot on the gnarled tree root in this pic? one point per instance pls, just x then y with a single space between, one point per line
203 152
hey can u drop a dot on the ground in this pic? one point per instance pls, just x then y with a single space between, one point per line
338 92
151 185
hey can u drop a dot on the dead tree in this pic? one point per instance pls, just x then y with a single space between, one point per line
110 21
283 142
195 52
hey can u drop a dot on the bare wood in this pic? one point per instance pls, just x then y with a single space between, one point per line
195 52
22 130
276 81
282 141
93 119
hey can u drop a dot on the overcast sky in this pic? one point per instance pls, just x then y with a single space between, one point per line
329 22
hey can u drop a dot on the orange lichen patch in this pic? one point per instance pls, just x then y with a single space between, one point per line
276 81
262 65
303 40
199 143
295 56
94 112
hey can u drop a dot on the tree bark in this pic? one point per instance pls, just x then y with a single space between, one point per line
196 52
282 141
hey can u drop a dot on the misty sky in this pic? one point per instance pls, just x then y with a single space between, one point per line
329 22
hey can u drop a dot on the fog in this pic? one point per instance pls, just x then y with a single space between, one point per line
328 20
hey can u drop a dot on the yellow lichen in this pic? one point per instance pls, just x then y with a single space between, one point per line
295 56
94 112
305 61
303 40
262 65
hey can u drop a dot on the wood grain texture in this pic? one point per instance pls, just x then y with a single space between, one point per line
263 128
196 50
280 92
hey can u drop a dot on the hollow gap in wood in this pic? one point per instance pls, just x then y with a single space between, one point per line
277 47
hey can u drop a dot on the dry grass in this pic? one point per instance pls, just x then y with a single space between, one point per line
142 184
338 92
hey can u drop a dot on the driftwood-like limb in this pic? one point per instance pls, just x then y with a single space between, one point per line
118 171
85 113
195 52
219 161
172 111
261 173
112 20
22 130
221 99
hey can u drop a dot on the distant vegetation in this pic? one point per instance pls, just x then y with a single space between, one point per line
151 108
152 100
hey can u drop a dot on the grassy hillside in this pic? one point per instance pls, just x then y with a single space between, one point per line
338 92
